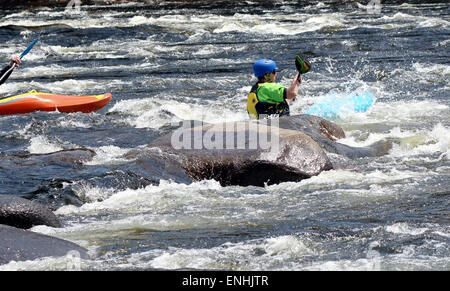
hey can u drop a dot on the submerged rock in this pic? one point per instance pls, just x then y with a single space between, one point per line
22 213
22 245
326 133
64 157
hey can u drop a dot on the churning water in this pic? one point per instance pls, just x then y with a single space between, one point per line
171 62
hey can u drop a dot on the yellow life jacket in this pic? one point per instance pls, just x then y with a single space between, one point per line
255 106
252 100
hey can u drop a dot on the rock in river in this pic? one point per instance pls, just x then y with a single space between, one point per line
22 213
22 245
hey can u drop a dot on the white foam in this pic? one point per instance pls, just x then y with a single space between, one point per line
412 143
443 234
406 143
443 43
404 228
407 19
168 206
11 86
437 69
405 261
146 199
42 145
73 87
71 123
89 194
98 49
69 262
364 264
138 20
152 112
348 177
251 255
285 25
438 140
395 115
108 155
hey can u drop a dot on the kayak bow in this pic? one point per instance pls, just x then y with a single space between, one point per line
38 101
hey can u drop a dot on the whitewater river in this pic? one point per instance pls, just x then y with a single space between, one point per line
172 62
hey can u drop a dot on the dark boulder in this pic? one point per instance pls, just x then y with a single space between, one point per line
22 213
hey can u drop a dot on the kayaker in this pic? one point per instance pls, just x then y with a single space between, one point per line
267 97
6 72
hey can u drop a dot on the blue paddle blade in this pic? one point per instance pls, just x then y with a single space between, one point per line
25 52
335 106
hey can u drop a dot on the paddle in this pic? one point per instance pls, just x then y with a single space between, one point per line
302 64
25 52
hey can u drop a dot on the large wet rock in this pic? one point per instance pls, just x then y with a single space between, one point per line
22 213
242 153
17 244
226 152
326 133
21 245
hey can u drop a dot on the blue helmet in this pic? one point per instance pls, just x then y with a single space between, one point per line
264 66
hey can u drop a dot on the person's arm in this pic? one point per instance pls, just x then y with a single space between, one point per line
15 62
7 71
292 91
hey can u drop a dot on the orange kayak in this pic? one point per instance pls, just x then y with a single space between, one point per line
37 101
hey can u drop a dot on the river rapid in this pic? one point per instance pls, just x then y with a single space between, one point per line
169 62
